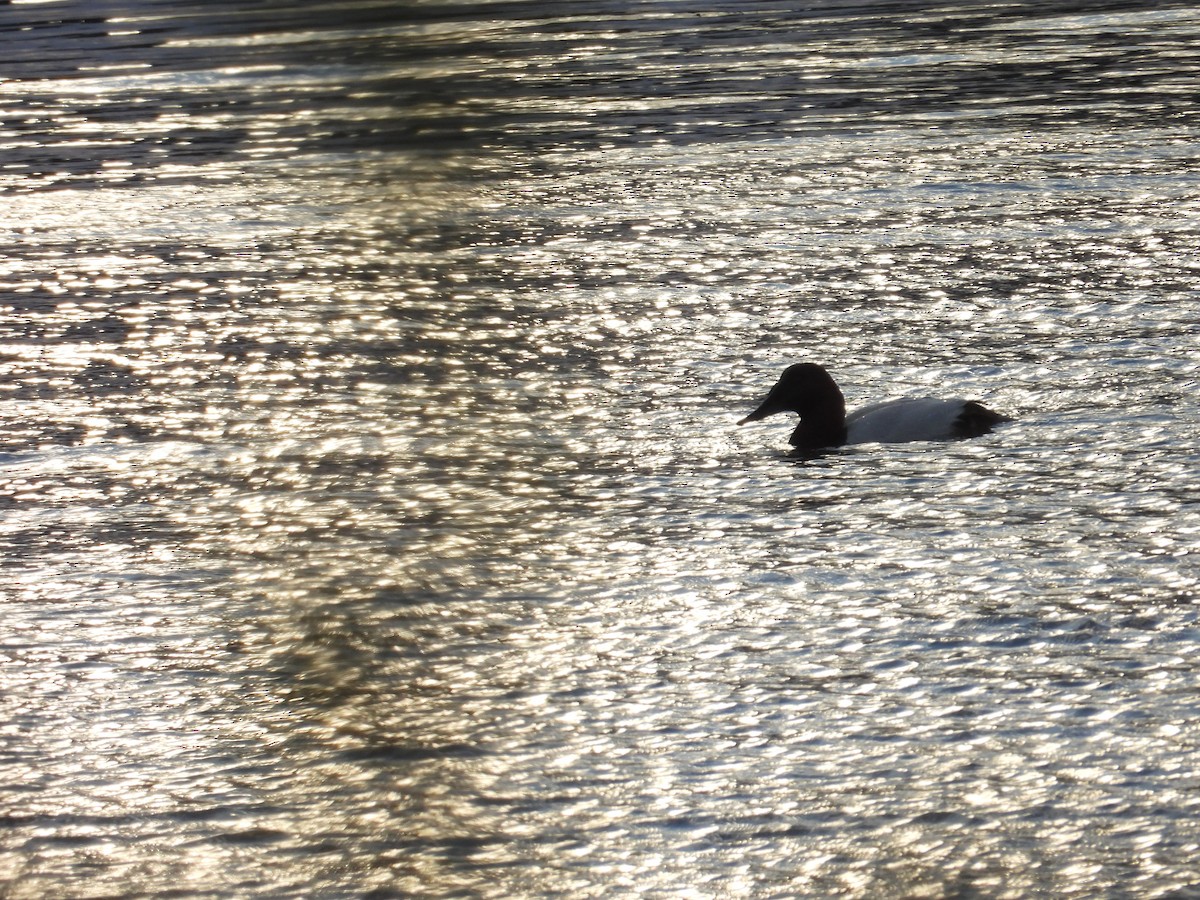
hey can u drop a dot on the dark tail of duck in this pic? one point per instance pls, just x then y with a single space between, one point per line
976 419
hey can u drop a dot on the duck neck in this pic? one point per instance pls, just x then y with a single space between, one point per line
821 426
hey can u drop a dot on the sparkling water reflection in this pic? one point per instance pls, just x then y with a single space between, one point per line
374 520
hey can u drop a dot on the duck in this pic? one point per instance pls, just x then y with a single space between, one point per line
810 391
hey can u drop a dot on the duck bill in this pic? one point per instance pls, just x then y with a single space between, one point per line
769 407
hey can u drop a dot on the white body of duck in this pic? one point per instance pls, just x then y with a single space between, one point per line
808 390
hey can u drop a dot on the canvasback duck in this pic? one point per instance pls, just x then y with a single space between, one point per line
810 391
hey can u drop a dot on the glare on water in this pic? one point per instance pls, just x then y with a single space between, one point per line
373 513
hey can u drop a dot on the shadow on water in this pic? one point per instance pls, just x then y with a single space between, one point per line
504 78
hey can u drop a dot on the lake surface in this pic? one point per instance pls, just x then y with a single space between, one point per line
373 517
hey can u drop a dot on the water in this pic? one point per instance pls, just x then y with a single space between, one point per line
374 518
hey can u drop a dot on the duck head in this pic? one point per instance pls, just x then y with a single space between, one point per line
804 388
809 391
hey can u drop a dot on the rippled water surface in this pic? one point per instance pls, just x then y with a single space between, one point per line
373 516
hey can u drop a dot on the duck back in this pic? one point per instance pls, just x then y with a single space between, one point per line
918 419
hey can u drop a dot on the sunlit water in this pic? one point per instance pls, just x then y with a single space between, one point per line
374 520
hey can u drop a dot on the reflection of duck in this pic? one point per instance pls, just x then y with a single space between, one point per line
809 390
